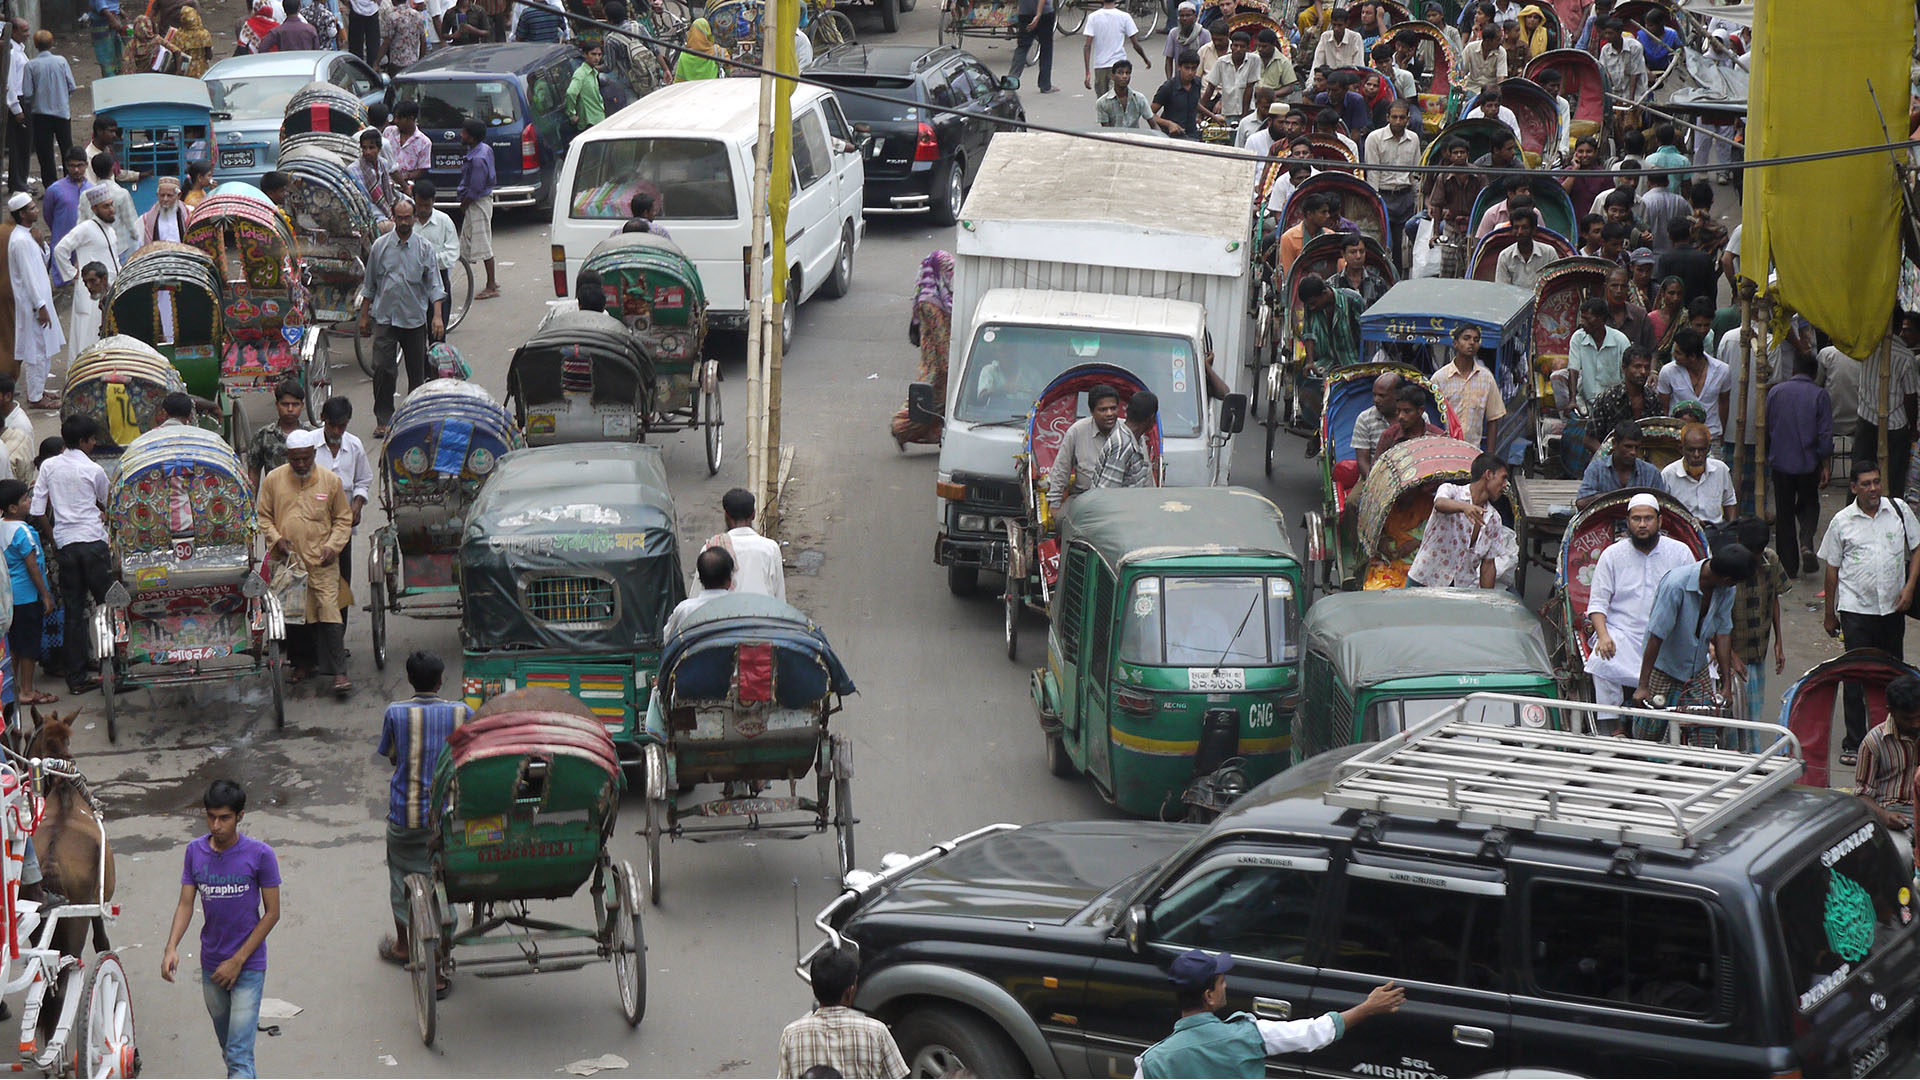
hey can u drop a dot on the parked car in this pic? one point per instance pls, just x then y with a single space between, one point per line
919 160
249 95
690 145
519 91
1554 904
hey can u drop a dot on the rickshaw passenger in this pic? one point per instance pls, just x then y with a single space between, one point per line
1409 419
1124 461
714 568
306 518
1331 335
1367 429
1620 604
1081 447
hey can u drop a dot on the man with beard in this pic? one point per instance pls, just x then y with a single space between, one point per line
1625 580
307 520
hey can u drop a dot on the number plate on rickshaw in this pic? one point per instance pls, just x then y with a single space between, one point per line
748 807
236 159
447 161
1226 678
619 426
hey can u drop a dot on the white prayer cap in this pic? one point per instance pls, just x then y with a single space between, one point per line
19 201
98 194
304 440
1634 503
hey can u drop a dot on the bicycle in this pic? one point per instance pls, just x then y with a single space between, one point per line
824 26
1071 15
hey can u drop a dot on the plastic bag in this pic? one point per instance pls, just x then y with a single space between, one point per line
1426 254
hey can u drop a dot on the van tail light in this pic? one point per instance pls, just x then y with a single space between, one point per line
529 149
559 270
925 146
1130 700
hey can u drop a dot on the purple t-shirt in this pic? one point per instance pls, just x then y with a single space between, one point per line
229 883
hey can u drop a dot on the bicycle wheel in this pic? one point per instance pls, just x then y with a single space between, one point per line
831 28
460 297
671 19
1070 17
1146 15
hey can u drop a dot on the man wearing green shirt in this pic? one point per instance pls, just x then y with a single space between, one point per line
584 104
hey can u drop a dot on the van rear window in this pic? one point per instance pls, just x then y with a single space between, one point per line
689 179
1840 909
449 104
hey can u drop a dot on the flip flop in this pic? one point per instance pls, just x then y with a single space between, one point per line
379 433
342 689
1849 758
390 951
487 294
42 699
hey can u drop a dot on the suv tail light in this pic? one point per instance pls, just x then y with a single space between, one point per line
559 270
925 146
529 150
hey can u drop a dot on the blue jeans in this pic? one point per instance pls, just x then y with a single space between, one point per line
236 1017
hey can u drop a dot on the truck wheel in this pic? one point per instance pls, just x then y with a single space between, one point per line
963 580
890 16
943 1042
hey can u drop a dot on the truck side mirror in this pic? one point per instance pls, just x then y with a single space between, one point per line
923 407
1233 413
1135 925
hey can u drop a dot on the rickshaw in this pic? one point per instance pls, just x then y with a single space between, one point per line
1372 546
524 803
581 377
444 441
746 687
1659 440
166 124
1348 393
1251 21
654 288
1539 116
168 295
323 108
736 28
189 604
1564 285
1589 533
1550 204
1476 131
978 19
120 383
1486 254
1328 149
1438 105
267 332
1583 83
1033 545
1359 203
1415 322
334 222
1320 255
1172 659
1810 707
1376 663
569 568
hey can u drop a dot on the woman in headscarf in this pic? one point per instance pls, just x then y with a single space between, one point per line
254 30
931 322
192 43
691 64
1668 313
142 47
1533 30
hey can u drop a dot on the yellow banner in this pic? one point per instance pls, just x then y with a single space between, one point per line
1828 228
786 21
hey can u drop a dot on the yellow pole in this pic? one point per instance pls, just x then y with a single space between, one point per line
756 293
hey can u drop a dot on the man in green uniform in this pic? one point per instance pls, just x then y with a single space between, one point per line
1202 1044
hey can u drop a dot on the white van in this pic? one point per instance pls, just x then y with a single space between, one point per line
691 145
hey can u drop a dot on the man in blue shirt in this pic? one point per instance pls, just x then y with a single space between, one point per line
1692 622
61 203
1202 1044
413 736
1624 468
109 30
476 203
47 89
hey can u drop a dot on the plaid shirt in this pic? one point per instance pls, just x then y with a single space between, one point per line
268 451
412 736
1753 608
848 1040
1123 460
1884 774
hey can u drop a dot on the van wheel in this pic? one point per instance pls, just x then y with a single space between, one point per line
890 15
789 314
841 282
949 192
947 1042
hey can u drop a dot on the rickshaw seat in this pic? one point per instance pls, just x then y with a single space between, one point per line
218 566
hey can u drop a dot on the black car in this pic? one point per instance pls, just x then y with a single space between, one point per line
1769 935
918 159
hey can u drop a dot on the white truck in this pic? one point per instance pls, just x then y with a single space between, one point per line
1072 252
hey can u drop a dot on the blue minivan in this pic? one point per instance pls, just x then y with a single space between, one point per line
519 91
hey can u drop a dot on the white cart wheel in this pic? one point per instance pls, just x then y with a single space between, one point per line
103 1039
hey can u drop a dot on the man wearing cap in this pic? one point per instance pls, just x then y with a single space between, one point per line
1187 35
1625 579
1272 133
1122 106
36 333
1202 1044
307 519
91 241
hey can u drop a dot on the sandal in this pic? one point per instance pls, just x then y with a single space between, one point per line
1849 758
487 294
391 952
380 433
41 698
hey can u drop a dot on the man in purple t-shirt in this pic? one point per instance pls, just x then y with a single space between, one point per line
238 881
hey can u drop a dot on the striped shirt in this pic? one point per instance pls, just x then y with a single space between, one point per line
1883 774
412 736
1123 460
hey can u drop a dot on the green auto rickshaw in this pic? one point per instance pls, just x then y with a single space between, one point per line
568 570
1380 661
1172 660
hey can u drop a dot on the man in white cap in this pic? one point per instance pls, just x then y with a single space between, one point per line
36 333
1186 34
307 519
1620 604
91 240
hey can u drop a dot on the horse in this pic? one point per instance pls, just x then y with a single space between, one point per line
76 861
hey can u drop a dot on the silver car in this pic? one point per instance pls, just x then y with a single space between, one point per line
250 95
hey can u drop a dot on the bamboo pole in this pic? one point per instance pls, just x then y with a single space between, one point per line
756 294
1885 412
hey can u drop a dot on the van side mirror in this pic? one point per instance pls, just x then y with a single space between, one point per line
1135 925
923 407
1008 82
1233 413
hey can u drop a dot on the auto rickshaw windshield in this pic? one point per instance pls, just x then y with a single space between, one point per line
1391 717
1195 621
1009 366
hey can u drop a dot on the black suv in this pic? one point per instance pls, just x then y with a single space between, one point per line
1741 927
917 159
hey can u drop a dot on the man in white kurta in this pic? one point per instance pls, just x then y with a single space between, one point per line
1624 581
36 333
89 241
126 220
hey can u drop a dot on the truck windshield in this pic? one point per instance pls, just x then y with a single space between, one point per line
1008 366
1204 621
1841 909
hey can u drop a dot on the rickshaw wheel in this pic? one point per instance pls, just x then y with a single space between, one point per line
377 616
657 823
277 680
1266 462
711 420
423 953
843 819
109 675
1070 16
1012 621
628 944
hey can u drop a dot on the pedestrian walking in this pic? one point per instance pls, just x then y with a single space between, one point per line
91 242
1872 556
307 520
19 130
1106 35
401 305
70 500
412 736
1690 629
1800 456
267 450
342 451
36 332
27 582
363 30
237 879
48 89
1036 28
1202 1044
109 33
835 1034
125 220
757 566
476 203
1756 617
403 36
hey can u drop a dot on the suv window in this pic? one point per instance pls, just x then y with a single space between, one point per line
962 82
1393 929
1601 943
811 159
447 104
1840 909
938 91
1244 904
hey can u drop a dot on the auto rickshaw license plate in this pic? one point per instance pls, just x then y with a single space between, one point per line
616 426
1216 678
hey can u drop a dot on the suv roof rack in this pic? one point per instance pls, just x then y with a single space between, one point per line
1558 783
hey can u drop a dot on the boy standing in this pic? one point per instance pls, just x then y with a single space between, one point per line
413 736
238 881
